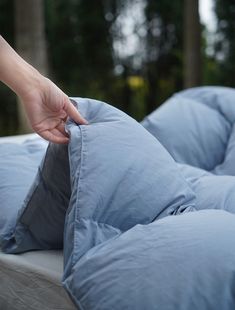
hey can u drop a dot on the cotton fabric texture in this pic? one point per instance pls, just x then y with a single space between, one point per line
197 128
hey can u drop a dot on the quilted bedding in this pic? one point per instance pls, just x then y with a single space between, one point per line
197 127
149 218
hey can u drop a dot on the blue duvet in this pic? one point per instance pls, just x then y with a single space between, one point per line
180 259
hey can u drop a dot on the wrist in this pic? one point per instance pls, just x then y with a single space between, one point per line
27 81
15 72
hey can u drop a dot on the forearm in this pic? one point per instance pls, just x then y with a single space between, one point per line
15 72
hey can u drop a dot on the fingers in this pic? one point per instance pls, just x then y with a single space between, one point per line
55 136
61 128
74 114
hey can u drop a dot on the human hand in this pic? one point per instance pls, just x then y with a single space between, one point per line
48 108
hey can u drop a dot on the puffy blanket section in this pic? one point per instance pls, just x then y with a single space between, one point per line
197 127
132 205
182 262
117 183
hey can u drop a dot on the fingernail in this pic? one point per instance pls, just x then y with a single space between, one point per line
84 122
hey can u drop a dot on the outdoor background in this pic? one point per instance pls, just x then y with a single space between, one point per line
132 54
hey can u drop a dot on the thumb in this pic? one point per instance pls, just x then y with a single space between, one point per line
74 113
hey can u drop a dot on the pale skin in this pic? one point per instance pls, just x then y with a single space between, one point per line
46 105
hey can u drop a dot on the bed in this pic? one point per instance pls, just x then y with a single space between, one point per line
144 212
33 281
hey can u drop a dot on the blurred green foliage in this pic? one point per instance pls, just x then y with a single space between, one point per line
8 119
225 41
81 43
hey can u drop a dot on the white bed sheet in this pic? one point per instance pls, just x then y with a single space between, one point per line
33 281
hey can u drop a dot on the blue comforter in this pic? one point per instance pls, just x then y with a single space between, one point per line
148 208
182 260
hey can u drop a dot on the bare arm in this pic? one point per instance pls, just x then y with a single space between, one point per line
46 105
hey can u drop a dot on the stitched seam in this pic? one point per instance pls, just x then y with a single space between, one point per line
78 186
